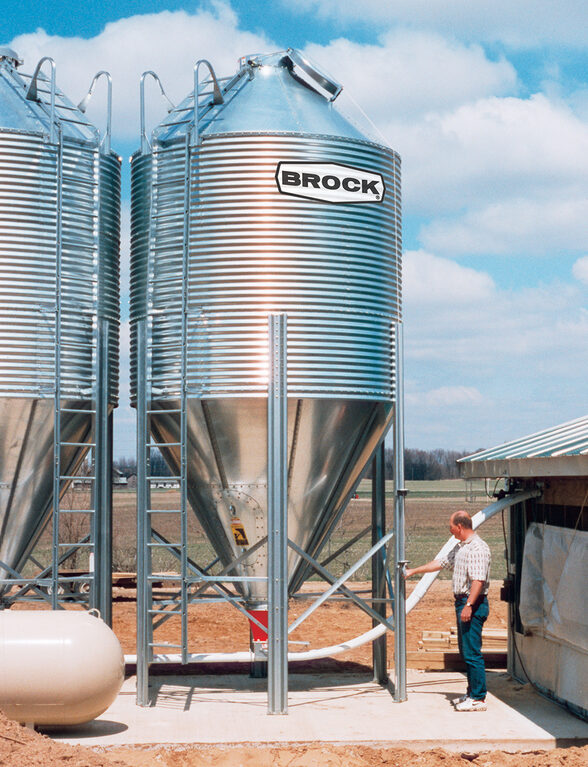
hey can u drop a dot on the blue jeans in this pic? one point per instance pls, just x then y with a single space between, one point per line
469 636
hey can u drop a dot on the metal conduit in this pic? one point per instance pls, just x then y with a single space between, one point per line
421 589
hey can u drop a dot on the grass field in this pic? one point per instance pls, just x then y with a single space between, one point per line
427 510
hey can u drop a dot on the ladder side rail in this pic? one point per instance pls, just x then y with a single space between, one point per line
143 523
57 373
184 404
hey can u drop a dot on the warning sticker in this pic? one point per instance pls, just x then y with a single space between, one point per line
239 533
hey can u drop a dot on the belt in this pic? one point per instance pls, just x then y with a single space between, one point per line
459 596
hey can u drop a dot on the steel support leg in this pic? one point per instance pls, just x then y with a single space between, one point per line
142 521
102 592
277 430
399 549
378 561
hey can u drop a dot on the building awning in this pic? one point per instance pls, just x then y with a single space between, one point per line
561 451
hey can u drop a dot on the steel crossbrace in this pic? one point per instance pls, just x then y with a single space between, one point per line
347 545
30 582
340 581
361 603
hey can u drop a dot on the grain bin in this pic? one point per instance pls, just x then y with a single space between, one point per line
265 199
59 277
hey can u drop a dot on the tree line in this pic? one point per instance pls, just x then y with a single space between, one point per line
418 464
423 464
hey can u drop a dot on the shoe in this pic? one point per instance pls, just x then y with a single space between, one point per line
471 705
461 699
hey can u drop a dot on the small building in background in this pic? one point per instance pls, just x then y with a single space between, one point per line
118 478
547 557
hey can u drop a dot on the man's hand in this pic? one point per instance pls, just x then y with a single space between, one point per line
430 567
473 596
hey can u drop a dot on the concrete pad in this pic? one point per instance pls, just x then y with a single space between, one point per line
334 708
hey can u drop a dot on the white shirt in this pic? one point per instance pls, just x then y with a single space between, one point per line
470 561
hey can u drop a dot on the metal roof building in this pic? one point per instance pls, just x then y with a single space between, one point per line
547 557
559 451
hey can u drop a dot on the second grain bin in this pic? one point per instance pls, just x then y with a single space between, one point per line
59 276
265 200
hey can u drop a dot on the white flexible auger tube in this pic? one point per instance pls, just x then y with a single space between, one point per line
322 652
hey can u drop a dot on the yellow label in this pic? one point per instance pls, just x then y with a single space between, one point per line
239 533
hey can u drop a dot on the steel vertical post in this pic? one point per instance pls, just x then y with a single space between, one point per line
103 481
277 492
379 658
399 547
142 521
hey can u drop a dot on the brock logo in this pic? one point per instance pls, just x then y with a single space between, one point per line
329 182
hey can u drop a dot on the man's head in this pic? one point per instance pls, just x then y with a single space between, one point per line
460 525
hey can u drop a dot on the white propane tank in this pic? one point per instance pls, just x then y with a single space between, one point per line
57 667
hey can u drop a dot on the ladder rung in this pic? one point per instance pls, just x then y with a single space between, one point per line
65 106
77 476
163 511
164 444
76 122
77 444
76 511
154 611
76 410
163 412
165 644
76 544
165 545
164 577
177 122
76 578
167 602
163 479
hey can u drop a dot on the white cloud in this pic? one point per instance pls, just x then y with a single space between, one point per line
580 270
492 149
518 359
412 72
168 43
522 23
522 226
429 279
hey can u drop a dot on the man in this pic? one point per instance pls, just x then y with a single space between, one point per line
470 561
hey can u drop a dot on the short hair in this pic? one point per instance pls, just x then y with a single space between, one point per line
462 518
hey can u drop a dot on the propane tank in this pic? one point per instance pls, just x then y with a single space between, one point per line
57 667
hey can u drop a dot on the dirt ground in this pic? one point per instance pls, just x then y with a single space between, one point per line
222 628
21 747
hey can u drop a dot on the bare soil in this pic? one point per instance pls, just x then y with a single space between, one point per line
22 747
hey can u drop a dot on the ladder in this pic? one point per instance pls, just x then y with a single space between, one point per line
92 590
153 612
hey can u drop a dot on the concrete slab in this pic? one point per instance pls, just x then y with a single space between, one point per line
341 708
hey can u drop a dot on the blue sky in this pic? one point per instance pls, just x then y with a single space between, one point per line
487 104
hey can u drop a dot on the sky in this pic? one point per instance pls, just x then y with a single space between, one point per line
487 104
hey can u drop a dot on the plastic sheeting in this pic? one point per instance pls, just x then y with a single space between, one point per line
554 580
